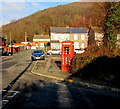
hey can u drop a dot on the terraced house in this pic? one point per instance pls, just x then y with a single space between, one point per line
78 35
40 40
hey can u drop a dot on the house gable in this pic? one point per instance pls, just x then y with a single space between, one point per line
95 36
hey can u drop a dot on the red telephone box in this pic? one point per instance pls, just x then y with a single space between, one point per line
67 54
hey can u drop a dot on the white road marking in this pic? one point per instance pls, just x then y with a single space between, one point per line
64 97
5 101
34 65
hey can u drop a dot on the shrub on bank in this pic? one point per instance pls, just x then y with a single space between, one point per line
98 65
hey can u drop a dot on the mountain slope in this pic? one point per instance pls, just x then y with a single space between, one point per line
78 14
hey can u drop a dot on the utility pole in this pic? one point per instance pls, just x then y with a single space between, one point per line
84 20
26 37
10 42
90 22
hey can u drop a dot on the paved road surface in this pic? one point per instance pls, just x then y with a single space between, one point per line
14 65
36 92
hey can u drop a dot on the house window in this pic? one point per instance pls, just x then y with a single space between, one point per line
118 36
76 44
82 45
55 45
36 43
55 37
62 37
82 37
41 39
75 36
41 44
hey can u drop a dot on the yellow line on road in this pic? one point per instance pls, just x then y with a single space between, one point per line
51 77
34 65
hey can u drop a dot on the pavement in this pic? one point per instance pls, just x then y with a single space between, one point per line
50 68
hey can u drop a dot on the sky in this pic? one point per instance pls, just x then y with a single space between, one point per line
11 10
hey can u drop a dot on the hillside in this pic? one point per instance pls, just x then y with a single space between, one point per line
78 14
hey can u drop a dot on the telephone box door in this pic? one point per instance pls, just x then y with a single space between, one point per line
67 54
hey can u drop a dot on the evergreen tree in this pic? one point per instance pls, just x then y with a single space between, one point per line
112 24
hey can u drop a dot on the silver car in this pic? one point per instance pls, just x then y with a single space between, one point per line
54 51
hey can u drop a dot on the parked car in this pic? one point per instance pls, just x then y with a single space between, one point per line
5 53
54 51
78 51
37 54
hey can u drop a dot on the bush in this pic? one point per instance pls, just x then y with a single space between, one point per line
92 48
101 65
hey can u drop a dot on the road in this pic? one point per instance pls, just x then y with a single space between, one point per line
35 92
14 65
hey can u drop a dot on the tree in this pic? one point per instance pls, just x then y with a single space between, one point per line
46 45
36 33
112 24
